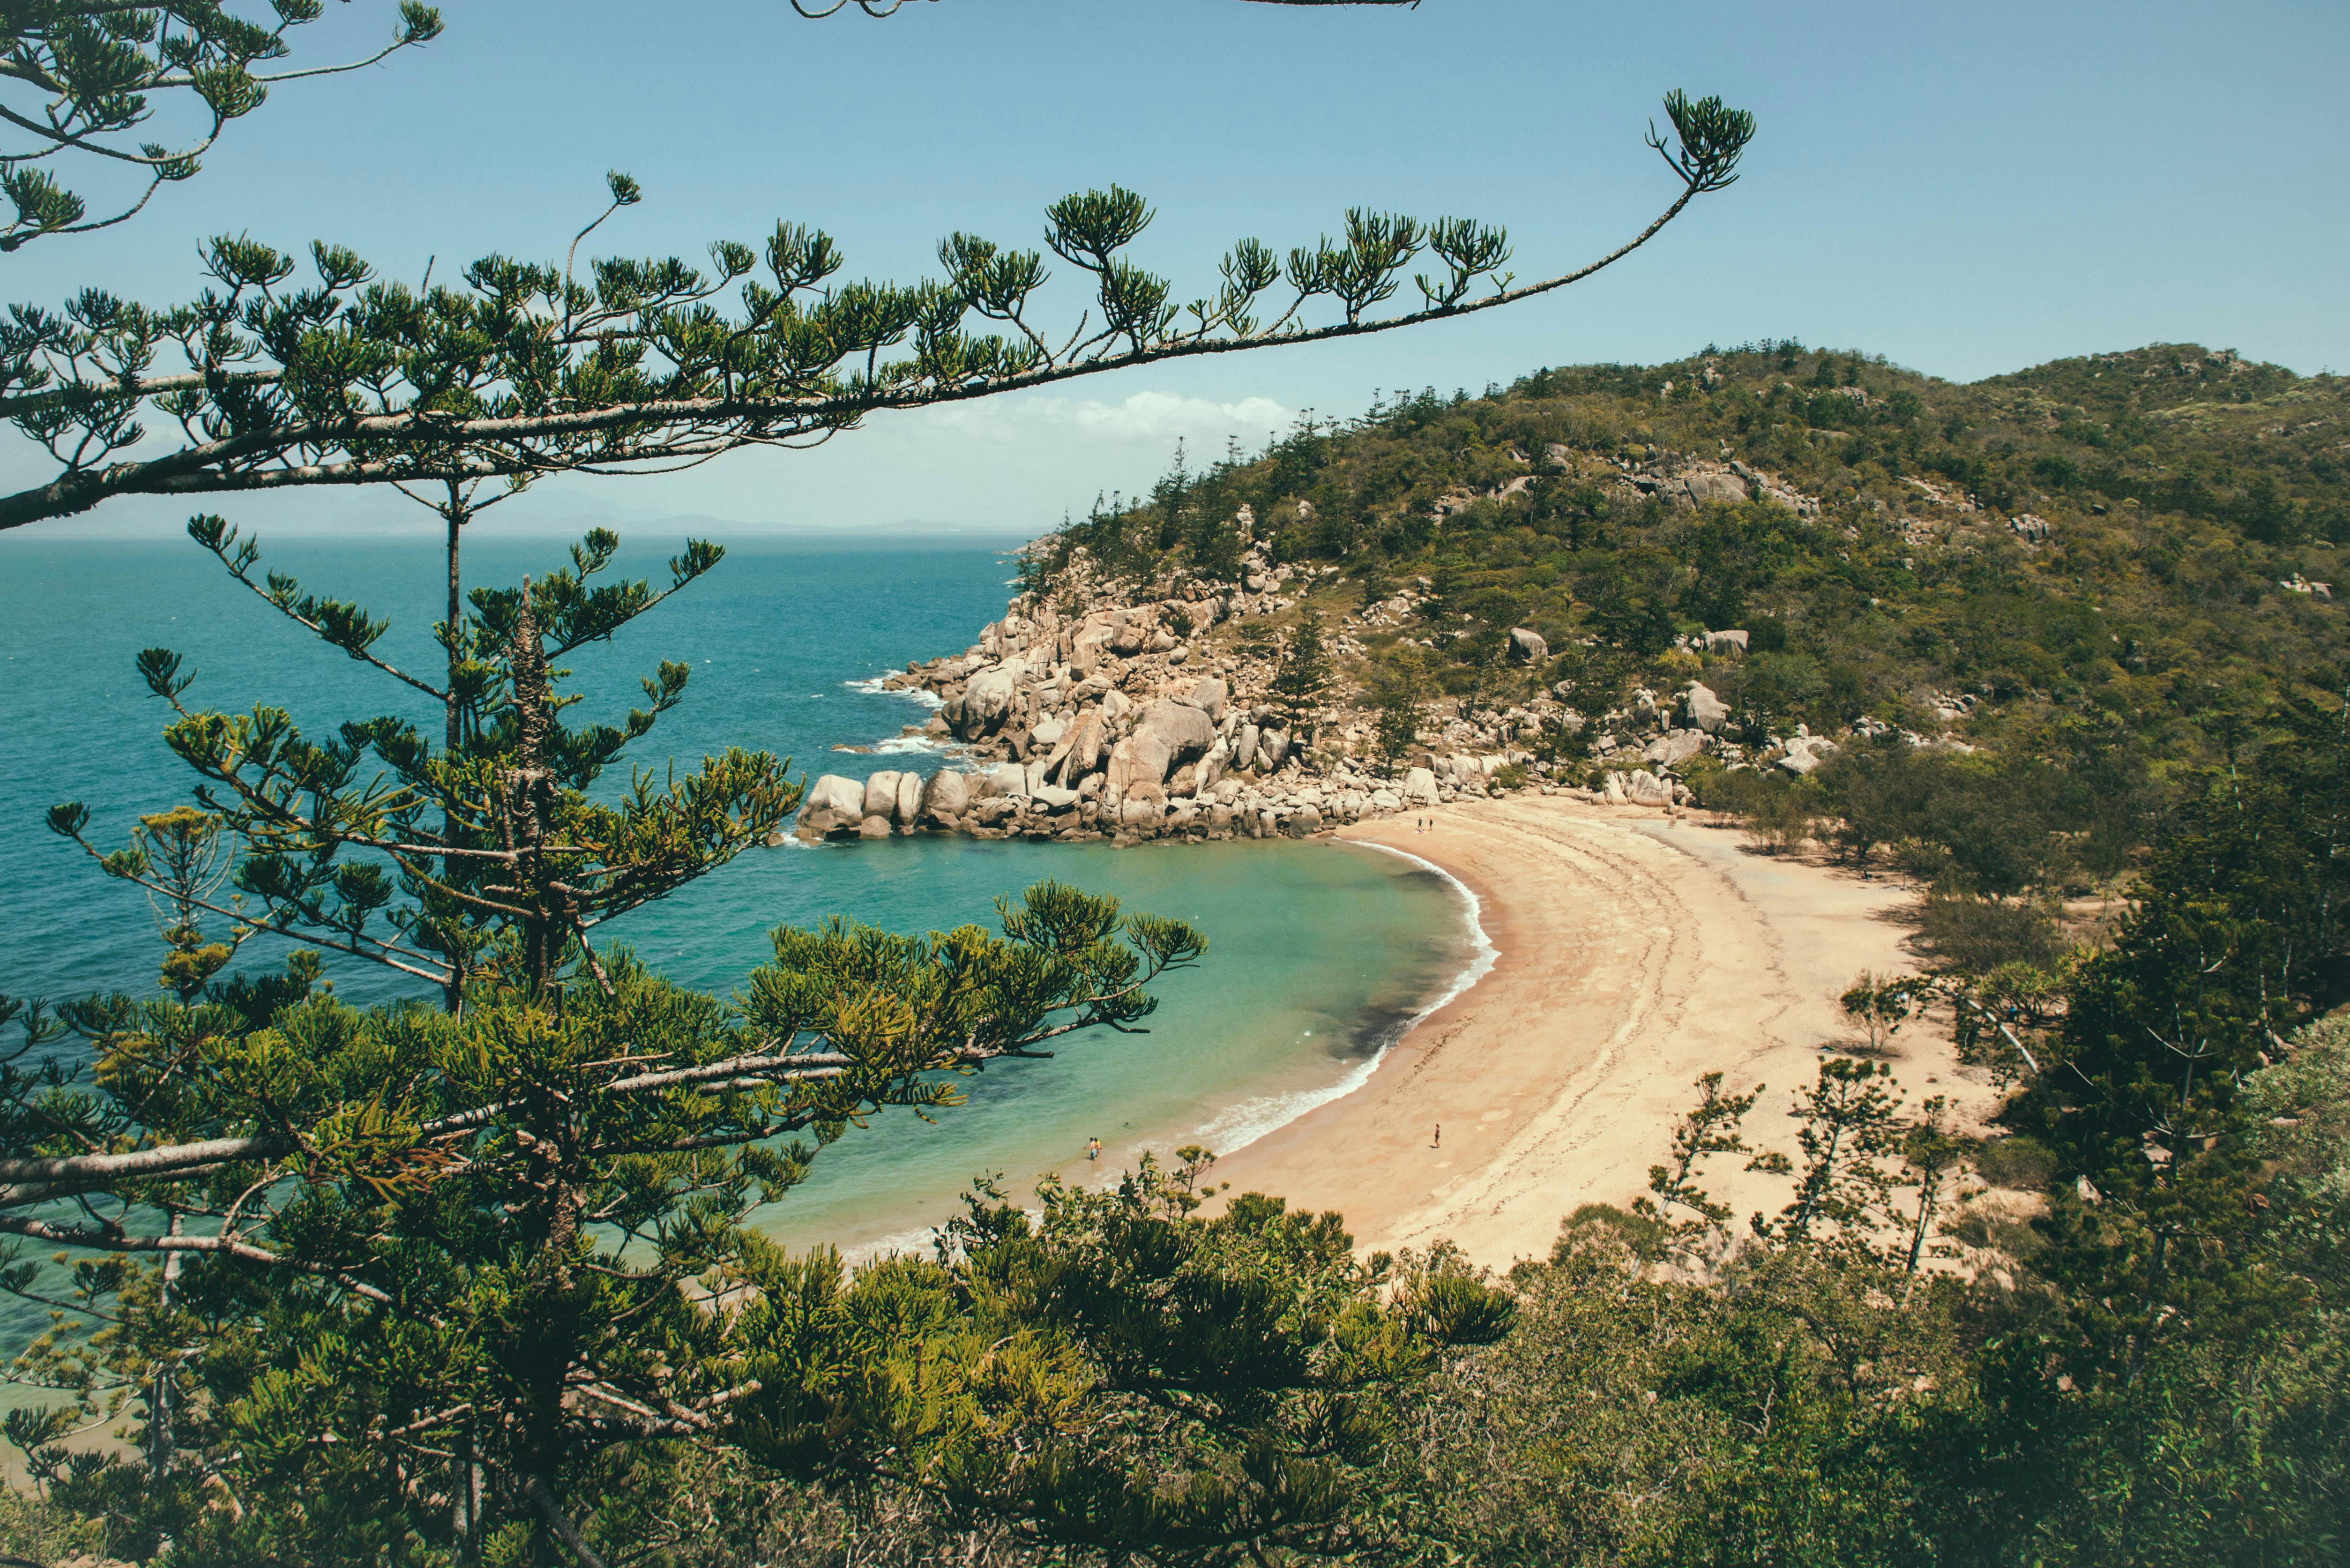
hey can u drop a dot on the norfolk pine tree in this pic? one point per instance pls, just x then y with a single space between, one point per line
549 1184
438 1286
416 1284
1302 673
618 366
1401 688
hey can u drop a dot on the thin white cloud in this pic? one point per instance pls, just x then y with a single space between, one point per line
1156 418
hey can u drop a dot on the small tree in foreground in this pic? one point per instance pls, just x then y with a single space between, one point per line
1852 1127
1121 1377
1879 1004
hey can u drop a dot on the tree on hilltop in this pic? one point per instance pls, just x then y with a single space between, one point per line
1302 672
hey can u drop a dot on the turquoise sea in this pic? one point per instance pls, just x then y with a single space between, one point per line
1319 954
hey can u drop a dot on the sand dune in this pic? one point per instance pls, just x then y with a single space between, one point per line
1635 954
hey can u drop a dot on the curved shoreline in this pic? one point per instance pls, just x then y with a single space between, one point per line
1633 953
1297 1102
1483 952
1330 954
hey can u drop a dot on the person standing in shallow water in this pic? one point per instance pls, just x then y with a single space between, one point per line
1092 1148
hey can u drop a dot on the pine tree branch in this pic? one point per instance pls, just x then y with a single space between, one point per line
102 1238
162 1160
436 446
557 1521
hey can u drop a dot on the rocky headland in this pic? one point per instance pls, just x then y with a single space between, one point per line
1101 708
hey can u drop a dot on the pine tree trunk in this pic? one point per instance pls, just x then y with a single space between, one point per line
530 795
455 514
160 1446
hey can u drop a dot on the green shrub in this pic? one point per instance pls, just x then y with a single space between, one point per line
34 1531
1976 935
2303 1106
1777 812
2019 1162
2011 1236
1647 1237
1703 773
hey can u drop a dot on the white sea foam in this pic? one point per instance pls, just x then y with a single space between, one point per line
1484 954
900 746
872 687
916 1241
1242 1124
919 1241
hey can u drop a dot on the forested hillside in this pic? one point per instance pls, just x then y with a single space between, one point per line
2130 542
2063 632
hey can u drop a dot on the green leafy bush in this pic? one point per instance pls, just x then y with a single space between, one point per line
2018 1161
1977 936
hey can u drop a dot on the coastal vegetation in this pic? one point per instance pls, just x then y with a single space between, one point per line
476 1283
2131 540
2060 648
1994 636
475 1278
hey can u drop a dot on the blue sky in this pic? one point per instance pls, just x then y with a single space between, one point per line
1963 189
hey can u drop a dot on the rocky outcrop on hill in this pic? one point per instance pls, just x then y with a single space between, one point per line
1101 711
1683 482
1096 714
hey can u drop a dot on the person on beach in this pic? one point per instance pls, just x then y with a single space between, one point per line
1092 1148
1438 1141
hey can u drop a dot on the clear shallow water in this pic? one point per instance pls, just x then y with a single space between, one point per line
1318 954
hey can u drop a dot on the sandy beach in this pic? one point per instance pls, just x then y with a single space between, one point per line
1635 953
